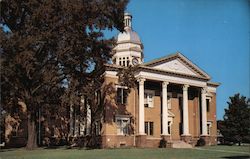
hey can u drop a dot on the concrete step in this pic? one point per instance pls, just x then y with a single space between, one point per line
181 144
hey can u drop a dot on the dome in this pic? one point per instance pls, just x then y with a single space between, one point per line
128 36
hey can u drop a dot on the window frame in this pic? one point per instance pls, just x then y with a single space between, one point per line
169 100
209 126
120 128
147 103
208 103
149 128
122 95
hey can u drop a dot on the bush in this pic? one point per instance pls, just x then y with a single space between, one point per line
163 143
201 142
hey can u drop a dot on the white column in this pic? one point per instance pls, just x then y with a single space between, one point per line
141 106
82 122
88 119
185 111
165 108
71 121
204 111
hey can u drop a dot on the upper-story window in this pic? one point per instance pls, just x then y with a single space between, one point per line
208 99
127 61
122 94
169 100
120 61
123 61
149 98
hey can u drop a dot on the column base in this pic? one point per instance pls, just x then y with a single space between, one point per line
186 138
206 138
141 140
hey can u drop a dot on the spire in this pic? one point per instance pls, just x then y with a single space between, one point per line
127 21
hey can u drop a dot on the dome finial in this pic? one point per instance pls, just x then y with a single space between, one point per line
127 21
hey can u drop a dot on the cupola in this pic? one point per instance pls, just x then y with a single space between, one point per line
128 49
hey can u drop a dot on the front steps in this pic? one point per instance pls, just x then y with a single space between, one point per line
181 144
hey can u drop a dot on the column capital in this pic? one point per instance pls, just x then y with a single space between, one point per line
185 87
204 90
141 80
165 83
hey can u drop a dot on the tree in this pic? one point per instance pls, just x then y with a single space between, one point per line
52 47
236 124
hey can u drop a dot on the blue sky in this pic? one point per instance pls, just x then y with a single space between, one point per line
214 34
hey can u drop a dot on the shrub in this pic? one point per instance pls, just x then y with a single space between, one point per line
163 143
201 142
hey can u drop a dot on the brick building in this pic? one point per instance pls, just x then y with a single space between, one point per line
174 99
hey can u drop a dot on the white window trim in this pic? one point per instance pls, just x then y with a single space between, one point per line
147 100
117 126
209 123
148 126
122 87
119 86
170 125
209 98
98 127
169 101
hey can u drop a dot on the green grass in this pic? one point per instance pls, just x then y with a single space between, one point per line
226 152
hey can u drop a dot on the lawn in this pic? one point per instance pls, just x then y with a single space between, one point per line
223 152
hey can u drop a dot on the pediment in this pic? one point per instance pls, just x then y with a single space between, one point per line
175 66
177 63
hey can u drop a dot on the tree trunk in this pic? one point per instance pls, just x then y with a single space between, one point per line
239 143
31 143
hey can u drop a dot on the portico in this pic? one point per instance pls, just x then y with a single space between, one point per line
164 107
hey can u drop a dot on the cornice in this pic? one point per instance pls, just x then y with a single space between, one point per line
163 72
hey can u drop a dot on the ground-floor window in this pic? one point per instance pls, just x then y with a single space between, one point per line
122 125
169 127
209 125
98 128
149 128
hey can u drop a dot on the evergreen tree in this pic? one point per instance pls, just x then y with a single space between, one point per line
236 125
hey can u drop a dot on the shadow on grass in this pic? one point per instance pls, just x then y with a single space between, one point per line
6 150
237 157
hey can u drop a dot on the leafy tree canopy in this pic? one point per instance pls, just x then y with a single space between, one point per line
51 43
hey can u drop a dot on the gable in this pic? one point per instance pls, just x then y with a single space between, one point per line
177 63
175 66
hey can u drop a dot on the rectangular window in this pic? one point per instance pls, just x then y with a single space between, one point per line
208 105
146 127
209 125
149 128
169 127
149 99
98 128
169 101
180 129
180 103
121 96
122 125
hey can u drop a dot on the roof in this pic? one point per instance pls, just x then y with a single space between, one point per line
182 58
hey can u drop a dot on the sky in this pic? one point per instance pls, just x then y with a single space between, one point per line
213 34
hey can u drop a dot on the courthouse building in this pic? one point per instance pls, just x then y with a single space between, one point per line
174 98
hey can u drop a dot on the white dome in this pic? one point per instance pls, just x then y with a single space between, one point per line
128 36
